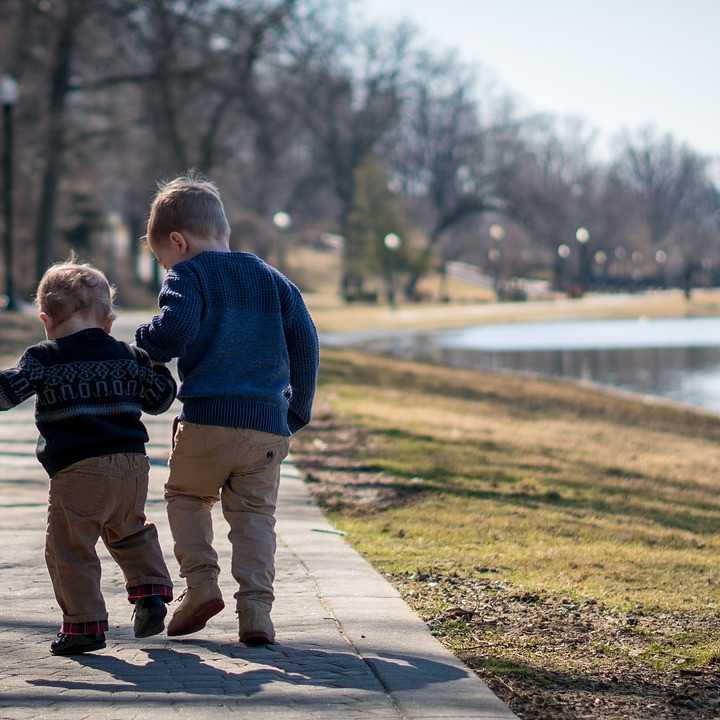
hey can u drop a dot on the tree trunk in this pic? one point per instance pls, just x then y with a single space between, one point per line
59 89
410 289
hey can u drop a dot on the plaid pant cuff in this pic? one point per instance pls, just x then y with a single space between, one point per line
141 591
84 628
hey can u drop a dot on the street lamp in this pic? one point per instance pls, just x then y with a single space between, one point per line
497 234
600 258
8 98
582 235
563 253
661 258
283 222
392 242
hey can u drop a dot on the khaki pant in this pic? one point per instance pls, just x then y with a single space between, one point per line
242 468
102 497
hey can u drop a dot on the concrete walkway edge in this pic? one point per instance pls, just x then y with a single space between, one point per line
375 620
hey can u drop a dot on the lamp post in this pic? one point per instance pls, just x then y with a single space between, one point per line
661 258
582 236
497 235
8 98
601 259
392 243
283 222
563 253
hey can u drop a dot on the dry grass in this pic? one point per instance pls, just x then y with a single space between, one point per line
520 473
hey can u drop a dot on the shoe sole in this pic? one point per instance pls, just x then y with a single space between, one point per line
199 619
80 651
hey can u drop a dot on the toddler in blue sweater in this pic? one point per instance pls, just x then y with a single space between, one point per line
248 356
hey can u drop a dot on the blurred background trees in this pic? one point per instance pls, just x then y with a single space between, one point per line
355 133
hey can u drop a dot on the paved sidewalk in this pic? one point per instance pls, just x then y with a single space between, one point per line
348 645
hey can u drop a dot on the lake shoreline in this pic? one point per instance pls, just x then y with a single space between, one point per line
677 359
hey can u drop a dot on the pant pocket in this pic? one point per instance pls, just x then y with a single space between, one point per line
84 494
259 456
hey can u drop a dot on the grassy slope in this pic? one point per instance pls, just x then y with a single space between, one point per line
515 473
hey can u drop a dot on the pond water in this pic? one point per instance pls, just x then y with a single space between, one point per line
675 358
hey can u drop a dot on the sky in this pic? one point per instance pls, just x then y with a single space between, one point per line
619 64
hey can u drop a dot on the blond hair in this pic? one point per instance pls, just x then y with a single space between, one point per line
189 203
69 287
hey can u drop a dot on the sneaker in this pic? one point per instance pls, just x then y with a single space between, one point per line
77 644
149 614
197 606
255 626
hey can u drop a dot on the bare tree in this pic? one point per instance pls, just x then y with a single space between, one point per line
353 108
446 153
553 189
69 26
669 180
195 63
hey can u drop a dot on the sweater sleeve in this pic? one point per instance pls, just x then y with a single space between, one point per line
304 354
21 382
158 388
169 333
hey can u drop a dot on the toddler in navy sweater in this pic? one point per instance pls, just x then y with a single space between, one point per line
248 359
91 390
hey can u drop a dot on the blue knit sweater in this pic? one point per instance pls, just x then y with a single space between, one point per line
247 347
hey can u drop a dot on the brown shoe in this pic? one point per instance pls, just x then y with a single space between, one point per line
255 626
197 606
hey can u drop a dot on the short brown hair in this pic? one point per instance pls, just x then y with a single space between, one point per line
70 287
190 203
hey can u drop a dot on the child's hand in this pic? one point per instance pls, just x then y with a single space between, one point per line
155 363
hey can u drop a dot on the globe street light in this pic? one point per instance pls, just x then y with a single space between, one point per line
392 242
661 258
563 253
582 235
497 234
9 91
283 222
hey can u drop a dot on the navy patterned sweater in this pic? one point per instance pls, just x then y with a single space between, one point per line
247 347
91 390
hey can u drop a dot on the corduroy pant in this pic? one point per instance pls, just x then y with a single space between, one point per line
240 467
102 497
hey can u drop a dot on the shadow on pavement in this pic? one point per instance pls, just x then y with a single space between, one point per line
170 671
